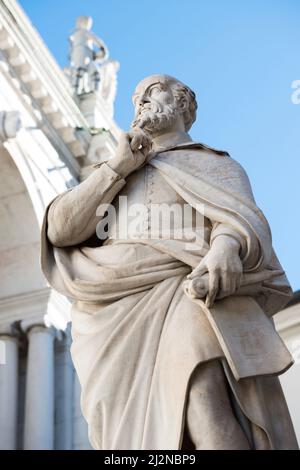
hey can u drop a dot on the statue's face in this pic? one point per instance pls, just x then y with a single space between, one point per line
84 22
155 105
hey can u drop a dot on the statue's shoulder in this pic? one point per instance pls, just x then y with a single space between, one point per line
201 156
207 148
201 147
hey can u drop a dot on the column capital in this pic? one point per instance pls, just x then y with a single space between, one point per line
39 396
29 327
9 331
64 339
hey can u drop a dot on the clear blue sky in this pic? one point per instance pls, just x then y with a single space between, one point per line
240 57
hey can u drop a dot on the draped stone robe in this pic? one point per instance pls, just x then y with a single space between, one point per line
137 337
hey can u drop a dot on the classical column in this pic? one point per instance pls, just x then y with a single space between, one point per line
8 389
64 376
39 396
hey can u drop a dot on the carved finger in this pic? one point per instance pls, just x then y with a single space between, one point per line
146 142
235 283
135 142
198 287
213 288
239 281
232 285
198 271
225 284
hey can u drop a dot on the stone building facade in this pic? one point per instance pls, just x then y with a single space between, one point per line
49 137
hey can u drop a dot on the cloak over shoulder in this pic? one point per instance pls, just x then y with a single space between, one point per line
214 183
132 317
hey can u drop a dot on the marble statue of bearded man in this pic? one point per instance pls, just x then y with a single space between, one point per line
173 340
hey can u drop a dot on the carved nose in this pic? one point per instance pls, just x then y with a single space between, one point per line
144 100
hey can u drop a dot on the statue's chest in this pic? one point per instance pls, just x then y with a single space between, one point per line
149 207
147 186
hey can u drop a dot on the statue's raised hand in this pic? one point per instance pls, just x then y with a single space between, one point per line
131 152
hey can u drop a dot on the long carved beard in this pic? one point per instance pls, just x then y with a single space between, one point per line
154 118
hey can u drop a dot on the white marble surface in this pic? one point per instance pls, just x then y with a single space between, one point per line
151 272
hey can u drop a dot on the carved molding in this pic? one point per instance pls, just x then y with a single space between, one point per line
42 307
38 73
45 90
10 124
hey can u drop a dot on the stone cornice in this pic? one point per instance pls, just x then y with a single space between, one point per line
44 307
38 73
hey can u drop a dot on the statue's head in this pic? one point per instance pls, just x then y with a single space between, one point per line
84 22
163 103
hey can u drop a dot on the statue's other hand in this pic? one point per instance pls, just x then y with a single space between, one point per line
224 266
131 152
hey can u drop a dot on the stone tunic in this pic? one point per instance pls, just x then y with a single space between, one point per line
137 337
149 208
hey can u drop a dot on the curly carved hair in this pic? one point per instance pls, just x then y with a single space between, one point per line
183 94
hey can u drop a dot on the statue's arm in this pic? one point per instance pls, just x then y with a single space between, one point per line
72 216
223 230
100 44
237 246
222 262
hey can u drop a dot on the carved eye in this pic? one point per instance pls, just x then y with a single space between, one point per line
155 91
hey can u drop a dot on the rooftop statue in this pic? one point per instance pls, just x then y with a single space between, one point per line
91 70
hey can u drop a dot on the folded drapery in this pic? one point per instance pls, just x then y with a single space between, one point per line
137 337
